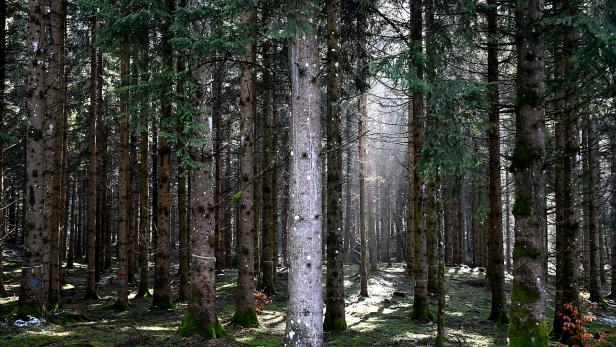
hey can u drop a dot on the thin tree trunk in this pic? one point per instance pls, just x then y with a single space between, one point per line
183 231
613 217
527 325
348 216
268 270
304 326
144 211
363 234
593 175
217 82
122 237
495 270
245 310
507 221
92 166
3 224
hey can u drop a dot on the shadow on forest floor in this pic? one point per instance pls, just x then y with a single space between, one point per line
382 319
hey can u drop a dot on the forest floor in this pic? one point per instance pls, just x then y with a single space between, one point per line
379 320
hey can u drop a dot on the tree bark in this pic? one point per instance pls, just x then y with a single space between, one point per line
268 270
593 176
162 289
36 242
200 318
245 310
3 224
304 326
122 237
528 326
92 166
363 220
495 270
334 291
567 149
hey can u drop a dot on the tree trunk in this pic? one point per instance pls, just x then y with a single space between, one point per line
410 194
348 215
132 193
268 277
567 149
162 289
363 233
528 326
334 291
122 237
182 173
217 82
92 166
144 211
3 224
200 318
36 241
421 309
613 217
304 326
245 310
507 221
593 176
495 270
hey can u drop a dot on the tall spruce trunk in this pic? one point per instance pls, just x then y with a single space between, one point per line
162 289
3 221
36 243
217 81
334 291
245 310
496 269
363 218
613 217
200 318
567 149
144 173
182 173
304 326
593 176
348 215
527 325
122 230
421 309
92 166
268 270
55 97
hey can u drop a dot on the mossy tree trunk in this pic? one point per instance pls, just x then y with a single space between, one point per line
245 310
613 216
334 292
567 149
527 325
304 325
32 291
200 318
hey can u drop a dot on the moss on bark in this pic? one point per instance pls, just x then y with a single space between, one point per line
162 304
528 334
23 311
193 325
421 311
245 319
334 324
